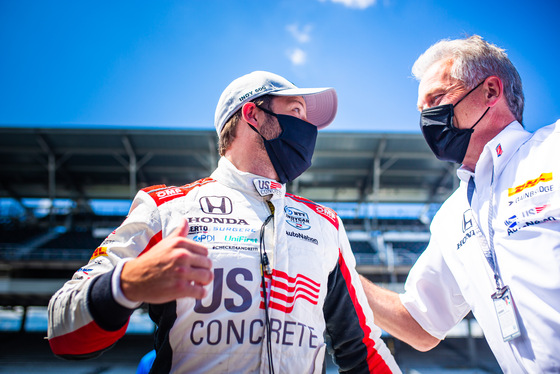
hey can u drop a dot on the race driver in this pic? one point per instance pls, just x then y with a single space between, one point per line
239 275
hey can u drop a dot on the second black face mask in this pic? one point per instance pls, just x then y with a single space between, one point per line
290 153
446 141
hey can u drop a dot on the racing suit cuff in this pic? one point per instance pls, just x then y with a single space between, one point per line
116 289
105 311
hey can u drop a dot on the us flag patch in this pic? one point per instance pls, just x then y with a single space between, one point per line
286 290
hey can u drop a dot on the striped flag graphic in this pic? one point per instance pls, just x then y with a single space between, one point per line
285 290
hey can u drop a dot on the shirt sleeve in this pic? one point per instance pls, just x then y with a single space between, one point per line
432 295
354 340
84 318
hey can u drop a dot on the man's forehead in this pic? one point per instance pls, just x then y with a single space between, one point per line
438 74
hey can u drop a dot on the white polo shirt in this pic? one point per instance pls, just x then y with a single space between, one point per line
518 173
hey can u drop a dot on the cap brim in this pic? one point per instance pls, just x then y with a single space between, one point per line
322 103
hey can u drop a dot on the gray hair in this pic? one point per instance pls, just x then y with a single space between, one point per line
474 60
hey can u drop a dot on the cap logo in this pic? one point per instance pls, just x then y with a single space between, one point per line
262 88
247 95
250 93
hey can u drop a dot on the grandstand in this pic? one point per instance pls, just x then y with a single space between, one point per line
63 190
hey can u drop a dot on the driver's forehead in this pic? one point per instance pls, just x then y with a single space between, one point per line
284 101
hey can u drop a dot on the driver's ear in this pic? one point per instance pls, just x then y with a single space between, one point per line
249 112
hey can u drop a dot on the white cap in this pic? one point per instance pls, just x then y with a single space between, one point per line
321 102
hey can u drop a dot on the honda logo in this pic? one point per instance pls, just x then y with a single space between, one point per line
467 220
216 205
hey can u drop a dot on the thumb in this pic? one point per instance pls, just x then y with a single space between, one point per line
182 229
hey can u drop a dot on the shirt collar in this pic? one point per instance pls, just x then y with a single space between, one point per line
227 174
497 152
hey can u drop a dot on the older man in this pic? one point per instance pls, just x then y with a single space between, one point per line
241 276
495 244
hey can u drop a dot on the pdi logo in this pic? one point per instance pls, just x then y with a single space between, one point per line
204 238
216 205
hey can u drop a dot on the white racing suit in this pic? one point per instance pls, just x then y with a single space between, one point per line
314 293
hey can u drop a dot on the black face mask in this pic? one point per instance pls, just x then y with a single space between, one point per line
291 152
446 141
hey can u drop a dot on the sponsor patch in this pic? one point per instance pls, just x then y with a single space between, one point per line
286 290
297 218
467 236
216 205
198 229
531 193
244 331
301 236
85 270
240 239
499 150
234 229
163 194
526 218
515 228
239 283
544 177
267 187
511 222
534 211
231 247
99 251
220 220
467 220
204 238
323 211
467 226
167 194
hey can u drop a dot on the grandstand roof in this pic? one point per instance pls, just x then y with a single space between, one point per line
85 164
113 163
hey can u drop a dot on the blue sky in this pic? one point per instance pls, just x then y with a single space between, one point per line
163 64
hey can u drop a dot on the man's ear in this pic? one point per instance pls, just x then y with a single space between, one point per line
249 113
493 90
